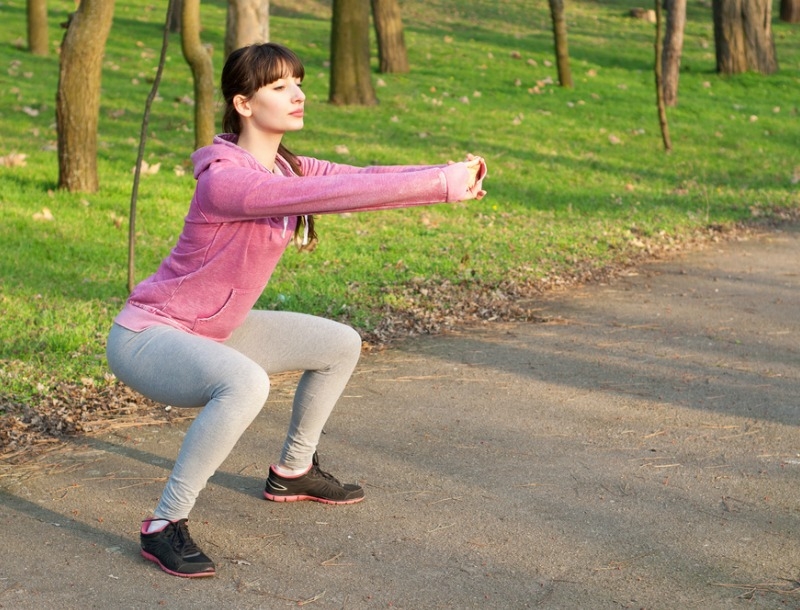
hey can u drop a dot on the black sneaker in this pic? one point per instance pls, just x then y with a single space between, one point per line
173 549
316 485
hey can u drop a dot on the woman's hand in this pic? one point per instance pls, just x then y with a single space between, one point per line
473 166
476 167
476 172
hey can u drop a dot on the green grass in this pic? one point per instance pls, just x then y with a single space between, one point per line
561 192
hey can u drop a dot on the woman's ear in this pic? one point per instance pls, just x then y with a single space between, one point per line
242 105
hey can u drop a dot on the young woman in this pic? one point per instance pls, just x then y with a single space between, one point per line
188 335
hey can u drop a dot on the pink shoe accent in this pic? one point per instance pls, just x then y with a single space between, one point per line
154 559
273 498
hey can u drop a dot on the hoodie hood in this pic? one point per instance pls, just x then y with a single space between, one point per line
224 147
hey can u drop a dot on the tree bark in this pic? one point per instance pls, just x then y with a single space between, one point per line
673 49
790 11
78 96
560 38
198 56
392 54
38 39
247 23
743 36
351 77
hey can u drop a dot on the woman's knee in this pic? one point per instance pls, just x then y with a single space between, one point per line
250 381
353 343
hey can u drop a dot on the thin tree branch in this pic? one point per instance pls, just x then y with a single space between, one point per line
662 111
142 139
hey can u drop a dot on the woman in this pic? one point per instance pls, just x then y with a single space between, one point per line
188 335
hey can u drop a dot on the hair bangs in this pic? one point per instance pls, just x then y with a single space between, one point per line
275 62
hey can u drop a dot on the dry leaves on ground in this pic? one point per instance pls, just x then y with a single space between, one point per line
69 410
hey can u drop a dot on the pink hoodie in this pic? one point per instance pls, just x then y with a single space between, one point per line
241 219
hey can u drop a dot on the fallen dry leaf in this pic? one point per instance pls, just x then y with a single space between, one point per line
13 160
45 214
148 169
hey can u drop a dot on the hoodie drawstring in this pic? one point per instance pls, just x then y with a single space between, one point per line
305 228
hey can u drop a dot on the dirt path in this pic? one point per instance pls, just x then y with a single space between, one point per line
641 450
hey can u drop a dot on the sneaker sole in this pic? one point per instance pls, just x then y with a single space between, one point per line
301 498
155 560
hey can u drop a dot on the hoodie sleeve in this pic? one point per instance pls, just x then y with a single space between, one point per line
319 167
230 189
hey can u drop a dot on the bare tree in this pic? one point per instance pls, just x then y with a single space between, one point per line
560 37
198 56
790 11
673 49
38 39
78 96
743 36
351 77
247 23
392 54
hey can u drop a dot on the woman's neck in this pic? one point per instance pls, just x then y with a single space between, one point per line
264 149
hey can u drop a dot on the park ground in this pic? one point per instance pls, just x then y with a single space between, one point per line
636 447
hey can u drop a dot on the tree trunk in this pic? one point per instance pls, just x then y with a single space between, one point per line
673 48
743 36
790 11
198 57
78 96
248 23
38 39
392 53
351 77
560 37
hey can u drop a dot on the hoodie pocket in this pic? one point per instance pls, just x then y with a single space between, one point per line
233 312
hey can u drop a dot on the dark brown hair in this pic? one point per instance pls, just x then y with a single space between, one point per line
247 70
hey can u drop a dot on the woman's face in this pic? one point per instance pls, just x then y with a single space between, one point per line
275 108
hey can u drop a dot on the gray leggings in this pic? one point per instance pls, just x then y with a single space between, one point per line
231 382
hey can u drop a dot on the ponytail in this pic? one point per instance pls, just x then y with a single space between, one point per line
305 237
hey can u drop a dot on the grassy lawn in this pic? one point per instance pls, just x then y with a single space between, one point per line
578 178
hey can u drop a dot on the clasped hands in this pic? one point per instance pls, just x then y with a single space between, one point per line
476 166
